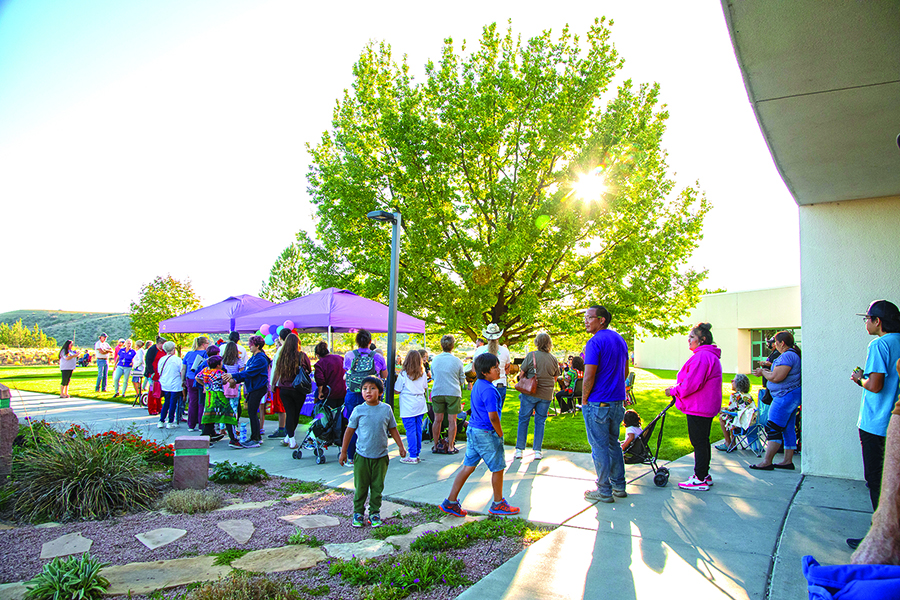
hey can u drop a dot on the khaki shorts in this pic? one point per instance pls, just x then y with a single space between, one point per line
446 404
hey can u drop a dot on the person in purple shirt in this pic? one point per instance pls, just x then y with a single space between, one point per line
359 364
124 363
329 374
603 403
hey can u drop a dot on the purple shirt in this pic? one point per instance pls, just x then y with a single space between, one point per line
125 358
380 365
609 352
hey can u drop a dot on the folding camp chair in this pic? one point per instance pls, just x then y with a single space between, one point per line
629 390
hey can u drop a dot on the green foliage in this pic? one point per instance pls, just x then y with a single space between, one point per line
62 325
76 578
298 537
407 572
301 487
386 531
486 160
161 299
226 472
191 501
247 586
80 478
287 278
467 534
226 557
19 336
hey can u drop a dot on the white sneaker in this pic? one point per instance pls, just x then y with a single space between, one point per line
172 426
518 454
160 424
538 455
292 443
694 484
287 440
409 460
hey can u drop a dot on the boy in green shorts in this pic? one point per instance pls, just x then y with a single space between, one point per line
372 421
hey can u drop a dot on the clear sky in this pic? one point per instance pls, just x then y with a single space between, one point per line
143 138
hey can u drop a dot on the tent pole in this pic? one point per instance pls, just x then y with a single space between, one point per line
330 338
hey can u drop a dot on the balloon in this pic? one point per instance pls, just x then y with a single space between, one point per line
278 331
264 329
288 324
269 340
294 331
258 332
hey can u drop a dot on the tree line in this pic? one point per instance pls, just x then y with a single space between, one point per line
19 336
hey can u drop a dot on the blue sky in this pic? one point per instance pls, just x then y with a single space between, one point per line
137 137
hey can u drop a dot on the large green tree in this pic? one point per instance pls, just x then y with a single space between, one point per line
287 277
161 299
528 189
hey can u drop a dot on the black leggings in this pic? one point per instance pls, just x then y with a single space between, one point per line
210 430
293 401
873 463
253 400
698 432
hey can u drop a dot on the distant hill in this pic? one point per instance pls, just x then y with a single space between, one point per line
60 324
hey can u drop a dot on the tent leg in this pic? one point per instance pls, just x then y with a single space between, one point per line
330 338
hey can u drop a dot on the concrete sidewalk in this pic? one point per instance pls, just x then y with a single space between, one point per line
744 538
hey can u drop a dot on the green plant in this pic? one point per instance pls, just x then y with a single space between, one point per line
240 585
408 572
226 557
226 472
73 577
298 537
191 501
301 487
467 534
79 478
387 531
319 590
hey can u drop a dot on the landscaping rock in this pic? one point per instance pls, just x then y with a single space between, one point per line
13 591
157 538
364 549
312 521
47 525
276 560
147 577
296 497
389 509
71 543
4 526
247 505
239 529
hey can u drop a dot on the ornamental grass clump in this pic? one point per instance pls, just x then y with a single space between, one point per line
80 478
189 502
72 577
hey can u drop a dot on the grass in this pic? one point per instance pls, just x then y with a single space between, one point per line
289 488
191 501
562 432
386 531
467 534
298 537
226 557
406 572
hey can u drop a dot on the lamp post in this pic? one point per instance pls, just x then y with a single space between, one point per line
394 219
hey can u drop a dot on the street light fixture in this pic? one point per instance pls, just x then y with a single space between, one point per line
393 218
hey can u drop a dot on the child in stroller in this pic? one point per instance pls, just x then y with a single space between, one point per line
324 431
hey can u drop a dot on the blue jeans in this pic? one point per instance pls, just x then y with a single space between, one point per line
102 371
120 371
783 413
351 401
168 407
502 390
413 426
540 408
602 425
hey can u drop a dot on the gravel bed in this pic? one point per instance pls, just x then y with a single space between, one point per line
114 541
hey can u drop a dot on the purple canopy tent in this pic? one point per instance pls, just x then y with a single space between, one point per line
331 310
216 318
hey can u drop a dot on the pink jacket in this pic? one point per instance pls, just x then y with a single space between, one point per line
699 388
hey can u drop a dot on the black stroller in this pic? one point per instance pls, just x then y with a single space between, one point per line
638 451
324 431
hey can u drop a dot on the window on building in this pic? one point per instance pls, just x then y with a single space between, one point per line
759 349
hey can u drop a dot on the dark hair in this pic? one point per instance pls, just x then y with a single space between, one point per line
231 354
65 348
363 338
480 340
602 312
484 363
447 343
372 347
286 332
374 381
423 353
257 340
213 351
703 331
787 338
578 363
160 339
321 349
632 419
288 360
234 336
214 361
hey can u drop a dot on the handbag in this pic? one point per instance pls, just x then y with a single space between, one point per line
527 385
765 397
302 382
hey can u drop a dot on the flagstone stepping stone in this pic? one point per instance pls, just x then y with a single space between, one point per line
296 497
311 521
47 525
13 591
247 505
276 560
403 542
4 526
239 529
389 509
147 577
157 538
71 543
365 549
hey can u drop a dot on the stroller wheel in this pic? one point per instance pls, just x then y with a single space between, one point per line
297 454
320 460
319 452
662 477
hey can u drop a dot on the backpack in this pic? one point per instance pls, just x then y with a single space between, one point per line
363 366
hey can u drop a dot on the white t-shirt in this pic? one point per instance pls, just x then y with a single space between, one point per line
170 373
412 395
637 431
503 355
103 350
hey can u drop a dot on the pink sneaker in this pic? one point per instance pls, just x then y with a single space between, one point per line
694 484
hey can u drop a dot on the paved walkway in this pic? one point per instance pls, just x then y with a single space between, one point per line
742 539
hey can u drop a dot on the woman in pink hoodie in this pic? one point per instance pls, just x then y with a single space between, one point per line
698 394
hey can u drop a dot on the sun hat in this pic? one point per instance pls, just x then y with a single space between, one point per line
492 331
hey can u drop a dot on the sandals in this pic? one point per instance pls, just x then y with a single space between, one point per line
453 451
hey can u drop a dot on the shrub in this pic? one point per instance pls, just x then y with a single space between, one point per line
72 577
226 472
298 537
407 572
80 478
301 487
191 501
246 586
467 534
387 531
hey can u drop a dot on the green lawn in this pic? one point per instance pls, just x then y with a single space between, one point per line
563 432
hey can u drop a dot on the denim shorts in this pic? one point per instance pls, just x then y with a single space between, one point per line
487 445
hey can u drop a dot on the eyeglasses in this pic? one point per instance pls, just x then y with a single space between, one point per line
868 318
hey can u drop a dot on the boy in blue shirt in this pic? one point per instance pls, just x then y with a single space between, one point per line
485 439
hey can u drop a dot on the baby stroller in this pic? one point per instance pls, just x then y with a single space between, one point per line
324 431
638 451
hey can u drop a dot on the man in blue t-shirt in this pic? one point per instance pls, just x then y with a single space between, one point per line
603 403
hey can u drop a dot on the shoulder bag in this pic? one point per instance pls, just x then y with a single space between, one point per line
527 385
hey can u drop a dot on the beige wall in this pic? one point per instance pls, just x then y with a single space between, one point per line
850 255
732 315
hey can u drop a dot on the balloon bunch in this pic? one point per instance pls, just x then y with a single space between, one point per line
270 332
